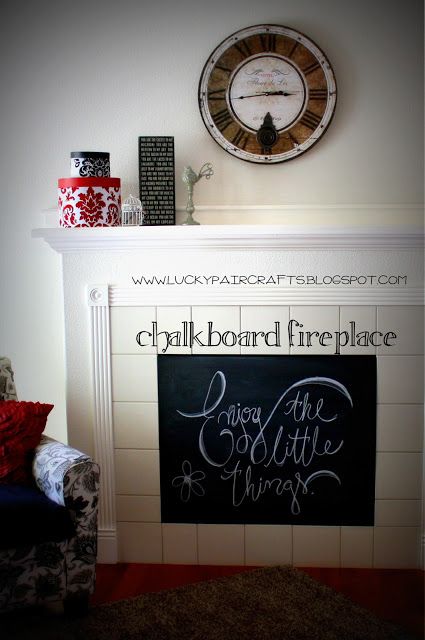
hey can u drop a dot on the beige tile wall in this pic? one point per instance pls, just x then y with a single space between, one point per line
394 541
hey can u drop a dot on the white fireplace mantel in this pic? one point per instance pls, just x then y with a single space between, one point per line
234 237
272 248
101 267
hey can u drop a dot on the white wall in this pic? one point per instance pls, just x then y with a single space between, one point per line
97 75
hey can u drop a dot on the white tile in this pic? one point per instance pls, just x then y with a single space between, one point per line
139 542
273 323
126 323
357 547
180 543
314 319
398 513
408 324
354 320
400 427
135 425
137 472
398 476
396 547
316 546
134 378
400 379
221 544
225 324
138 508
268 544
170 320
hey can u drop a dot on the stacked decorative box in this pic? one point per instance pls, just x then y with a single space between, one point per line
90 197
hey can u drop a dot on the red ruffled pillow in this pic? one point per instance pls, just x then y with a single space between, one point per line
21 426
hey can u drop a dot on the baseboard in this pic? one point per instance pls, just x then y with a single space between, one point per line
107 548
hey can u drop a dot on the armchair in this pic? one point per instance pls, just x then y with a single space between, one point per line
53 525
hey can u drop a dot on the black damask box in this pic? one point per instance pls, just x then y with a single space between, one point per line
90 164
90 197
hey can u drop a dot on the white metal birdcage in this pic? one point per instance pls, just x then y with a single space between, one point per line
132 212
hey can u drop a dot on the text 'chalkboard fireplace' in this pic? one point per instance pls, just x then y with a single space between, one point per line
267 439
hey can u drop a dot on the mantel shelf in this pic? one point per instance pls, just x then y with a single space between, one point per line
229 237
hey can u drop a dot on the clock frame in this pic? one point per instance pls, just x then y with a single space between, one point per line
267 83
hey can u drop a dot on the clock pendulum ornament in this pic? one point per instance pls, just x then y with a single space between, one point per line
267 135
267 94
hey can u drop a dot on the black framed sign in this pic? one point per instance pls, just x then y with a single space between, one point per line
157 179
267 439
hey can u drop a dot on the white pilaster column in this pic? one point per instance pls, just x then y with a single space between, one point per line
98 301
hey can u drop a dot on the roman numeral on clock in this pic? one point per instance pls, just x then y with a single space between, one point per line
293 139
293 48
268 41
217 94
311 67
222 119
240 139
243 48
225 69
318 94
310 120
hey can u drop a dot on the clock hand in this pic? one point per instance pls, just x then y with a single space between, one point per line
267 93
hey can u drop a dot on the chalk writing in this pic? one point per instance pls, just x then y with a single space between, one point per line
262 447
276 447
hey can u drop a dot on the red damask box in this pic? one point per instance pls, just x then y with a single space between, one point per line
89 202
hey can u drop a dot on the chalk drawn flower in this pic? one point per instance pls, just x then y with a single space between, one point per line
189 482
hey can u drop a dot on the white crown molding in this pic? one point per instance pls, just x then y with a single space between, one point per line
263 295
230 237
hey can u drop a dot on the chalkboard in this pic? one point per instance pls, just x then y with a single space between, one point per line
267 439
157 179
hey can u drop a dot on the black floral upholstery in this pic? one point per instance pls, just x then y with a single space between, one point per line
7 384
55 570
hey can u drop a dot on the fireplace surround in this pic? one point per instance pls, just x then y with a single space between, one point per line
111 379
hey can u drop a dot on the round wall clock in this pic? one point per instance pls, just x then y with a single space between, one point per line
267 94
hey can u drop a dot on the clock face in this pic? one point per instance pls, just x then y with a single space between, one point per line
267 93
